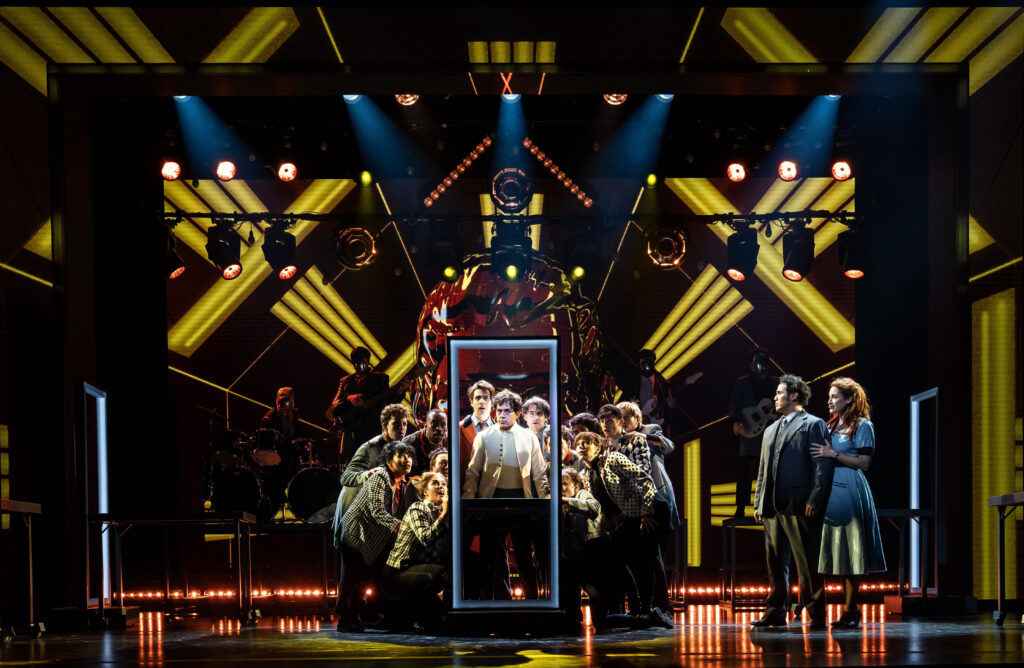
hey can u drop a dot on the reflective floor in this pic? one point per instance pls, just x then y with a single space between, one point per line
703 635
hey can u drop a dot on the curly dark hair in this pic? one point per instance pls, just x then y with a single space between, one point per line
511 398
796 385
540 403
392 412
388 452
588 420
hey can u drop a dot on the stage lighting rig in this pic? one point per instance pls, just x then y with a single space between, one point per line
407 99
787 170
222 247
615 99
511 190
279 251
170 170
797 250
736 172
559 175
355 248
742 252
459 170
666 247
287 171
841 170
225 170
175 266
851 253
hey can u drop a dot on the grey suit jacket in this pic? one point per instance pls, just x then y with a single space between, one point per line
796 478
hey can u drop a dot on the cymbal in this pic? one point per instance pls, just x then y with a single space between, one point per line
212 413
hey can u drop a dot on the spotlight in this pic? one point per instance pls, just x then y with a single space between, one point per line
287 171
511 190
279 251
510 97
366 178
225 170
652 180
665 97
355 248
407 99
170 170
742 253
666 247
833 97
351 98
615 99
175 265
787 170
577 272
841 170
450 273
511 272
736 172
851 254
222 247
797 252
182 98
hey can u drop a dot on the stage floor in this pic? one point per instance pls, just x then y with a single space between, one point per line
703 635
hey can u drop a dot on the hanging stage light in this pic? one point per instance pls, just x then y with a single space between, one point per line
225 170
355 248
279 251
222 247
511 190
407 99
851 254
797 251
615 99
841 170
287 171
736 172
170 170
577 272
450 273
652 180
175 265
787 170
742 253
366 178
666 247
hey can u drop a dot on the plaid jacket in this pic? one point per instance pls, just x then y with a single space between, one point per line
630 489
372 519
423 538
634 447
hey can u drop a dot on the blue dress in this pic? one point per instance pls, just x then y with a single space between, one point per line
851 543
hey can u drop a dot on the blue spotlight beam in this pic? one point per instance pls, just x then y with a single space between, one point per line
387 151
808 141
508 145
208 139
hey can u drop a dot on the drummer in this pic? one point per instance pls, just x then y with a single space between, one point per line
283 417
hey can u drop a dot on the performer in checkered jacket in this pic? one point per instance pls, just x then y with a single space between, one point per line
368 530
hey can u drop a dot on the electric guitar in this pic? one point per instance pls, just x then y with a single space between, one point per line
756 418
346 417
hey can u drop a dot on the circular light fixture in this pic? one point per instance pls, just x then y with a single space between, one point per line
170 170
841 170
351 98
666 247
793 275
849 273
736 275
577 272
287 171
665 97
182 98
366 178
449 273
407 99
615 99
510 97
652 180
511 190
355 248
833 97
225 170
787 170
736 172
511 272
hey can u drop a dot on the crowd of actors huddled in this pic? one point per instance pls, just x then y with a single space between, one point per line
393 520
393 525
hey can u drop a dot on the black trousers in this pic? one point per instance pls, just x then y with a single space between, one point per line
413 595
799 537
638 551
743 476
354 577
492 552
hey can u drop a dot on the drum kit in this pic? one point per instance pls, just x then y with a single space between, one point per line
258 473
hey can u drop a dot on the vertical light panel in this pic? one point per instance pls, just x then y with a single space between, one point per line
691 503
993 370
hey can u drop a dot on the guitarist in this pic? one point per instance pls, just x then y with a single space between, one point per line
354 410
751 408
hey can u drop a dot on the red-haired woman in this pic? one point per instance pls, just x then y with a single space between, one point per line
851 544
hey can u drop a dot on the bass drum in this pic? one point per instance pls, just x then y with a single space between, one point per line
313 494
236 489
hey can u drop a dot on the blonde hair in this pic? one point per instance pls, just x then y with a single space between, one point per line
420 484
629 408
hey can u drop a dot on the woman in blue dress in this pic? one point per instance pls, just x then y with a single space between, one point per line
851 544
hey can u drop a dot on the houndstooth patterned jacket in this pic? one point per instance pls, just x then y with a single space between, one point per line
372 520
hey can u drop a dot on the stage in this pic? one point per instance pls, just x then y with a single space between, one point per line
703 635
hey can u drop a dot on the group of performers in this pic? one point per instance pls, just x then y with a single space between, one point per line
392 521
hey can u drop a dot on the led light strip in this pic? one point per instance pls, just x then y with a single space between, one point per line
559 175
460 169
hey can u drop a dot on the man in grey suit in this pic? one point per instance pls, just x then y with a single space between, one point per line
792 493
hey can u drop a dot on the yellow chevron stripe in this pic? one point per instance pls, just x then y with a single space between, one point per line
22 59
764 37
887 28
91 32
47 35
256 37
923 35
135 34
997 54
972 31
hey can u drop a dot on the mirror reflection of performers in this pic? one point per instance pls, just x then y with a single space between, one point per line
358 402
752 409
506 459
480 394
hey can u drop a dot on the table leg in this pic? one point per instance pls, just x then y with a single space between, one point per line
31 591
999 615
732 566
